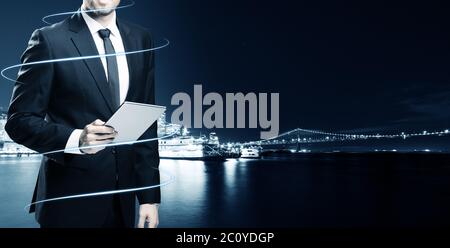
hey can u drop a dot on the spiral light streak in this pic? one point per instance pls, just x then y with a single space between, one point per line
96 56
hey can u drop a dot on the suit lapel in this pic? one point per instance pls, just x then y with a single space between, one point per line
129 44
83 41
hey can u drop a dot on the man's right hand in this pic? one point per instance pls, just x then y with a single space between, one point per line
95 134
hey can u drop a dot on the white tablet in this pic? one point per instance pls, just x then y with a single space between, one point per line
132 119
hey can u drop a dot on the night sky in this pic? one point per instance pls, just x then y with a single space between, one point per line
337 66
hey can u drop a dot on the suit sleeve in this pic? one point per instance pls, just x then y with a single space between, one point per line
27 123
147 156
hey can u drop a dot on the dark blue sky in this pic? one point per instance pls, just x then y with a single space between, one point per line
336 65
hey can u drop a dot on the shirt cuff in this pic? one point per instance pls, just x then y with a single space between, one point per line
72 146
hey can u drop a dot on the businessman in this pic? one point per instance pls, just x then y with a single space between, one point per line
65 105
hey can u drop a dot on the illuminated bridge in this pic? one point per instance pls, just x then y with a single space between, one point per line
300 135
300 138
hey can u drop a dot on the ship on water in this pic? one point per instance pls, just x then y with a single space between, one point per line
182 145
190 147
251 152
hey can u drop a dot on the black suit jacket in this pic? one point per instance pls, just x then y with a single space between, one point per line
51 100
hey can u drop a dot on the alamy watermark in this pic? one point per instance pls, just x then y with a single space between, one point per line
213 117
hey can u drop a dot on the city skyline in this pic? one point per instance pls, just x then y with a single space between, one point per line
297 140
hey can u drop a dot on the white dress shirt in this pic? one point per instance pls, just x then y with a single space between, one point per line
116 40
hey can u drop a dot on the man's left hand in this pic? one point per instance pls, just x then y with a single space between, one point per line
148 213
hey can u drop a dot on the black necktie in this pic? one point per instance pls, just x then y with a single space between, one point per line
113 71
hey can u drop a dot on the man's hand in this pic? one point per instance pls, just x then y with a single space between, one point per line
148 213
94 134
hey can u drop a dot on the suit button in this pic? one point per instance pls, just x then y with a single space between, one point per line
113 151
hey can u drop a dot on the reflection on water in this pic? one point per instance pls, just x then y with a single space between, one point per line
17 180
325 190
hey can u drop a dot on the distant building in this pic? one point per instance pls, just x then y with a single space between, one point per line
7 146
165 128
3 135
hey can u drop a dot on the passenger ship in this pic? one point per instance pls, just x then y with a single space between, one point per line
190 147
251 152
182 145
